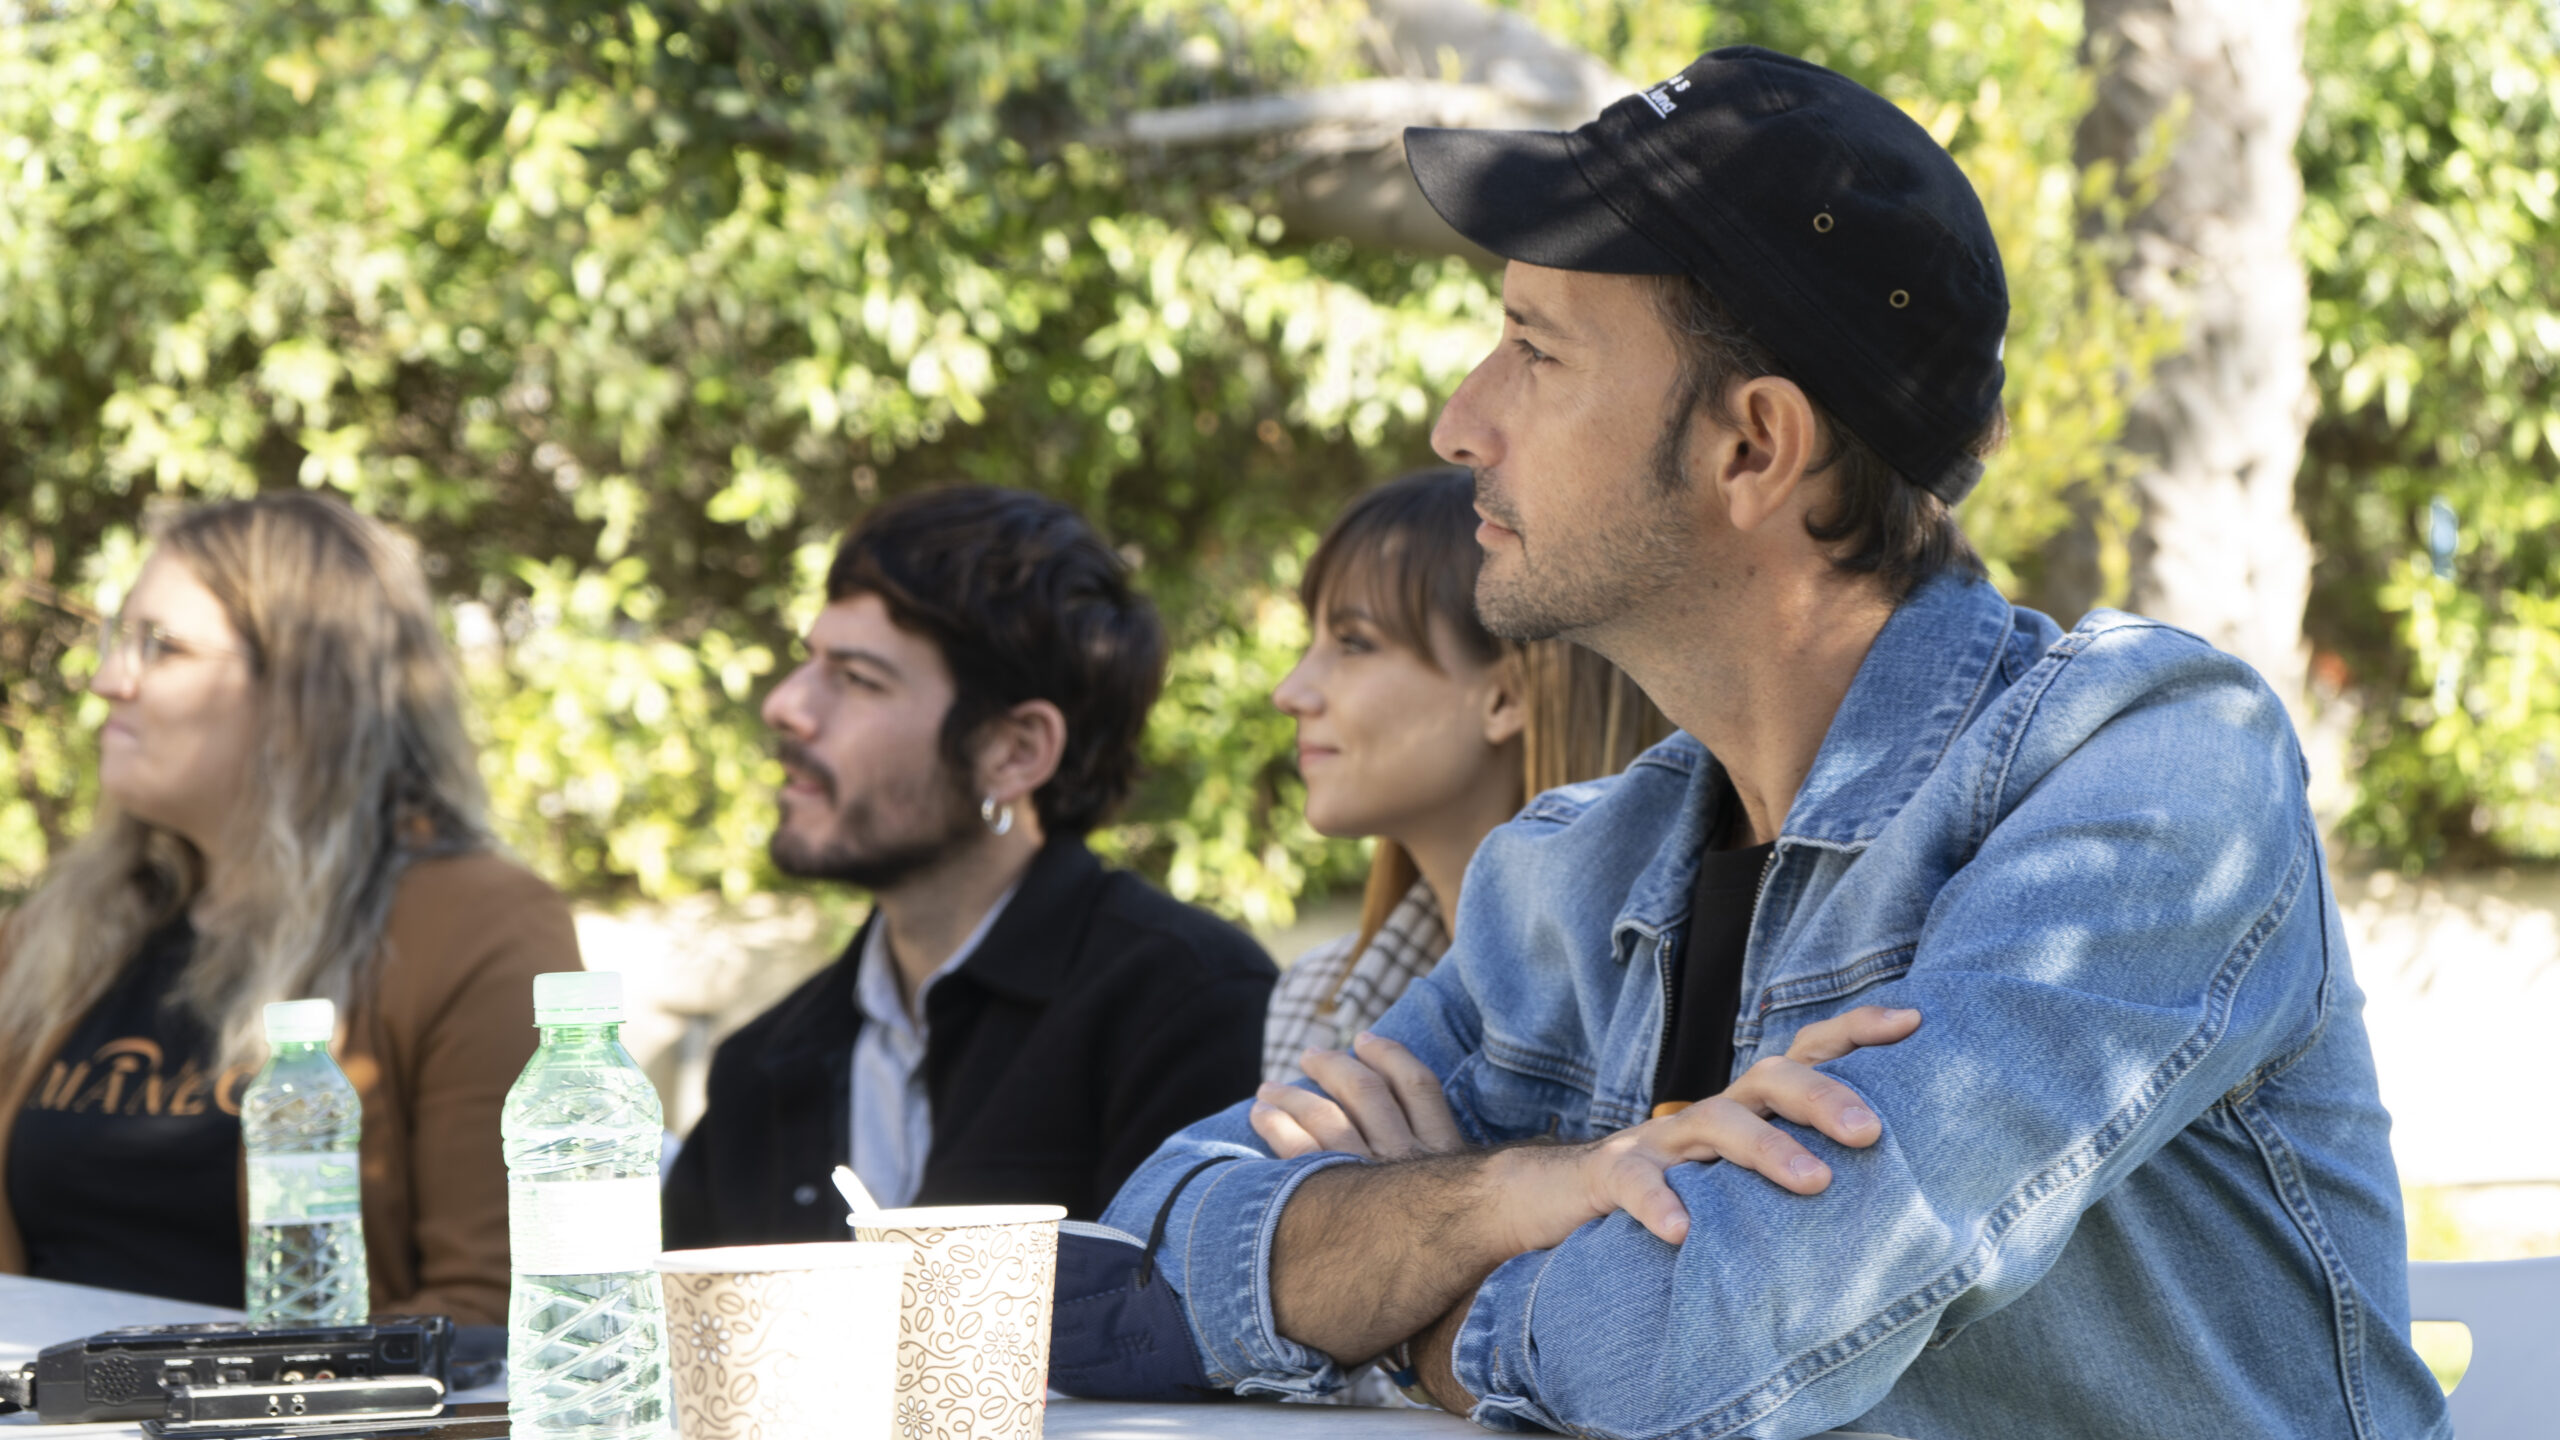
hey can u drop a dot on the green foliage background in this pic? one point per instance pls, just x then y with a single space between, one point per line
2431 159
625 310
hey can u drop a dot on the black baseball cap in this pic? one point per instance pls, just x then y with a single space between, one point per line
1835 229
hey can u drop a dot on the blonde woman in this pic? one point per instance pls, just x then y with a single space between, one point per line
288 808
1419 727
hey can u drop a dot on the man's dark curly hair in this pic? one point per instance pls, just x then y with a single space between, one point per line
1025 602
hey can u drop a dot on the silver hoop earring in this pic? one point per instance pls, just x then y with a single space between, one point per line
998 820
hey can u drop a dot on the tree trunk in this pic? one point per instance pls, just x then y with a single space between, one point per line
2218 548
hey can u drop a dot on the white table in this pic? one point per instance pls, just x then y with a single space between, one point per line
37 1313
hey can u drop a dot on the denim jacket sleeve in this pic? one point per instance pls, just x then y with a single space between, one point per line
2127 925
1218 1236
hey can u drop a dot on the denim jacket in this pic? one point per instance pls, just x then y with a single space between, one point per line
2134 1178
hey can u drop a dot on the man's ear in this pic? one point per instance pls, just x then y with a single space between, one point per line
1758 465
1019 751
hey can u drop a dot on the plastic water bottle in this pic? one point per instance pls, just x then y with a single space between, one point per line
300 1120
586 1320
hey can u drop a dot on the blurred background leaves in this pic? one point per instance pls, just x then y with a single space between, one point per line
2431 162
626 310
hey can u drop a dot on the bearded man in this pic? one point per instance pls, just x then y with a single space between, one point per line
2129 1177
1015 1022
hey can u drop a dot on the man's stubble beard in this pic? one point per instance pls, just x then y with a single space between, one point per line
854 853
1574 584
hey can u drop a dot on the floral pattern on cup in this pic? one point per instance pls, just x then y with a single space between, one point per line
753 1356
973 1333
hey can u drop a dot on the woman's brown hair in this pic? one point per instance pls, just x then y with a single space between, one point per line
1408 549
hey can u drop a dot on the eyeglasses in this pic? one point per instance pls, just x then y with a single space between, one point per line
142 645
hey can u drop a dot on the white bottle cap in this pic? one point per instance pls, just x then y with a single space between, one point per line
578 997
295 1022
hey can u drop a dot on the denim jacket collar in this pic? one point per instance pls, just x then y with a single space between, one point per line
1919 685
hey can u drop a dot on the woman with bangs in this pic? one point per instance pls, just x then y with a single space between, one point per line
289 808
1422 729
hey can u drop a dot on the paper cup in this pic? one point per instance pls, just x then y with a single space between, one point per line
973 1331
784 1342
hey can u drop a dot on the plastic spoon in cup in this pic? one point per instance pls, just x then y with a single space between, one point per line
854 1195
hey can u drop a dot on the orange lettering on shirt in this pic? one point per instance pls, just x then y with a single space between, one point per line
144 1050
60 1084
226 1091
187 1096
103 1092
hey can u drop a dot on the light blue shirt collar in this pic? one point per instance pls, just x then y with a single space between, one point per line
892 1115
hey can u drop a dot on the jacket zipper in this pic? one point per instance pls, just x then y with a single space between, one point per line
1662 1046
1759 897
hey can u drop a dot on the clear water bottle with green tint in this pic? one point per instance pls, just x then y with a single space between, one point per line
586 1320
300 1121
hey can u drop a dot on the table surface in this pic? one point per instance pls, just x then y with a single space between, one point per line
37 1313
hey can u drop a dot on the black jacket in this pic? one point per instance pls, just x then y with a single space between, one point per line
1098 1017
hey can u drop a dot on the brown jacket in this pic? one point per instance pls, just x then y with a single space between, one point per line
432 1039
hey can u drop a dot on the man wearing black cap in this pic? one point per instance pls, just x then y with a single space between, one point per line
2131 1176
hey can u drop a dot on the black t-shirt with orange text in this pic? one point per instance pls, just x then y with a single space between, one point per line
124 1164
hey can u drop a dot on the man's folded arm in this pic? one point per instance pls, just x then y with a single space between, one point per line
2119 955
1224 1227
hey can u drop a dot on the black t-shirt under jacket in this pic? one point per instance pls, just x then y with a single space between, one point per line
1704 989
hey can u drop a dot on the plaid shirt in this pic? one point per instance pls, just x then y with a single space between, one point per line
1330 995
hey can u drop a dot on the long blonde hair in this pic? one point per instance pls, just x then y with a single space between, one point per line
363 765
1409 546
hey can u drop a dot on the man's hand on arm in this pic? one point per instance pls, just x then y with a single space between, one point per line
1388 1106
1625 1169
1370 1255
1380 1102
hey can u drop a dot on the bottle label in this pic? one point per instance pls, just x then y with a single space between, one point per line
304 1189
583 1227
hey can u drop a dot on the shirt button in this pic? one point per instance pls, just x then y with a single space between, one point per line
806 1195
